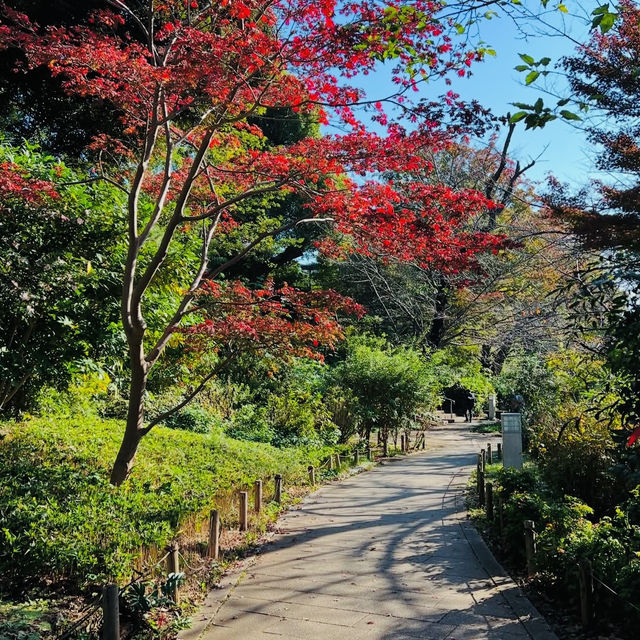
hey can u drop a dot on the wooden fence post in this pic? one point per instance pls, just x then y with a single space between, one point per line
331 462
244 511
499 451
338 461
530 545
481 488
278 488
174 567
369 453
489 454
585 577
479 463
110 613
484 459
489 501
257 496
214 534
356 457
312 475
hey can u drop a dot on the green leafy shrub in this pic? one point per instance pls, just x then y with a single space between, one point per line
529 376
193 418
250 423
522 480
389 386
113 406
567 536
299 418
59 297
578 462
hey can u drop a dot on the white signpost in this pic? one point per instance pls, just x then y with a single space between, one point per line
512 440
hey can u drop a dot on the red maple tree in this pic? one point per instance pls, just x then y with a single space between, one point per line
186 79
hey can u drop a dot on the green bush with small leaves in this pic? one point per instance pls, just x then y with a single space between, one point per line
250 422
568 533
194 419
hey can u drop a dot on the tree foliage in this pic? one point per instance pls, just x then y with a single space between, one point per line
59 272
185 88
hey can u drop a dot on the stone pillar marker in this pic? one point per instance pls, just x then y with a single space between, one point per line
492 407
512 440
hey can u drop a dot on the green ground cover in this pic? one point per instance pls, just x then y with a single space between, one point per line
487 427
61 520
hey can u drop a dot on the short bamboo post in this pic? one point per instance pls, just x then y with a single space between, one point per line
174 567
530 545
585 577
110 613
312 475
489 454
278 488
484 459
243 511
489 501
499 451
369 456
331 462
213 548
356 457
481 488
257 496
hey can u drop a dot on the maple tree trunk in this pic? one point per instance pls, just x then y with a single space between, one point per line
438 325
135 426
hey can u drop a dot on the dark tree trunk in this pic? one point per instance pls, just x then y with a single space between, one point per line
499 358
485 356
135 426
438 324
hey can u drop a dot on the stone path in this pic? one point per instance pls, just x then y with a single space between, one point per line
386 554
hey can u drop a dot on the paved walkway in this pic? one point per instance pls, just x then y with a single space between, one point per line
386 554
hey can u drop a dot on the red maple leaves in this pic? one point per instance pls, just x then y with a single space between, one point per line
187 86
280 320
15 183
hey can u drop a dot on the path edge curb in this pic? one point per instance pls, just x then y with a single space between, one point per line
530 618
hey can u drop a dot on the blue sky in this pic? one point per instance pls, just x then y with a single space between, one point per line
563 149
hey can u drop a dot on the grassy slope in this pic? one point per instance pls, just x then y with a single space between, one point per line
60 518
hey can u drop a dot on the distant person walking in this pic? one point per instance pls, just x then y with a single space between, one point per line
471 405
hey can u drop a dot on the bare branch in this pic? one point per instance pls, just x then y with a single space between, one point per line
203 383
